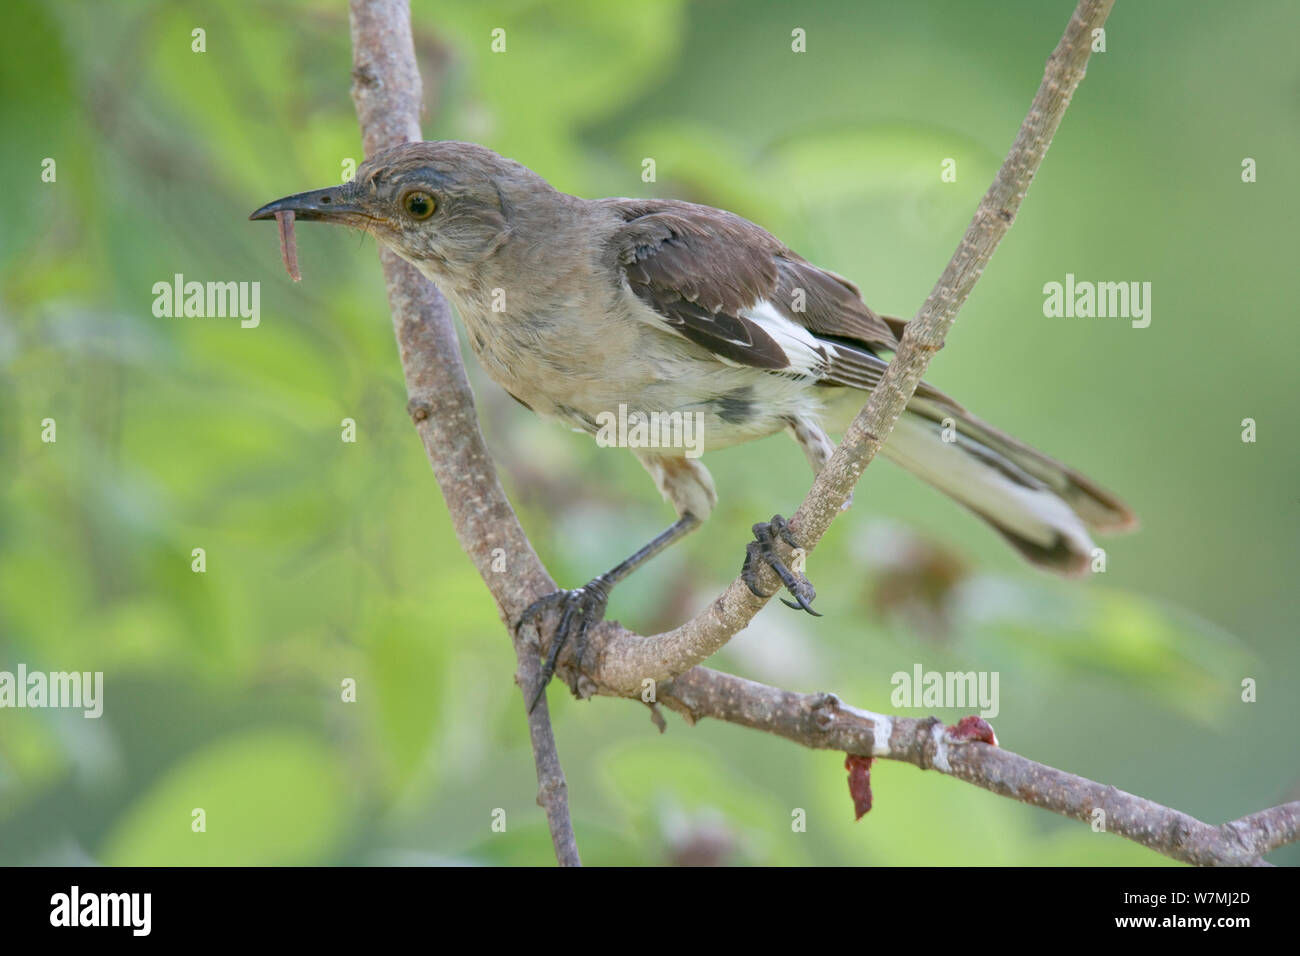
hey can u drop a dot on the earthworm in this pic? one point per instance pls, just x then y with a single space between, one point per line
288 245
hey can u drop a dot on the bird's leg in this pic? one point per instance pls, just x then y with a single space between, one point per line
762 549
585 606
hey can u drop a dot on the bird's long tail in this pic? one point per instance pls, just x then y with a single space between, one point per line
1042 507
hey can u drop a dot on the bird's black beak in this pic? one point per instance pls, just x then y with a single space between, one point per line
334 204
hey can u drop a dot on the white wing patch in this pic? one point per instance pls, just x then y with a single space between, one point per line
807 355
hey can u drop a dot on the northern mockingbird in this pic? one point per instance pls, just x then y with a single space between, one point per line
585 309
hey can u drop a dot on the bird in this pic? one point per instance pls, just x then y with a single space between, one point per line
585 309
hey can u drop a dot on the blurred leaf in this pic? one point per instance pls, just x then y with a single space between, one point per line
271 798
661 785
406 664
1186 663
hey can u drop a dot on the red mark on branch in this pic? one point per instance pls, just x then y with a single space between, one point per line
973 728
288 245
859 769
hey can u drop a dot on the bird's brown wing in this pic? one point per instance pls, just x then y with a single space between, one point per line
733 288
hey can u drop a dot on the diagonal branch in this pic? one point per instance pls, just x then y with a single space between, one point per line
624 659
387 93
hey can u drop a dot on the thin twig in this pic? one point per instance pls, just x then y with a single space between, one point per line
387 93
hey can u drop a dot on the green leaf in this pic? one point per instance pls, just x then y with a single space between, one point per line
269 798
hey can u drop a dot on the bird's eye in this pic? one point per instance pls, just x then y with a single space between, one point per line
419 205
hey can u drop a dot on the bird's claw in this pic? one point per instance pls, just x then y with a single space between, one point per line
580 609
761 549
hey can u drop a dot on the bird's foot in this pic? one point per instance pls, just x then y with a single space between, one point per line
579 608
763 549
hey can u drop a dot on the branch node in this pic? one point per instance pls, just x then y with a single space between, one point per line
419 410
824 710
364 77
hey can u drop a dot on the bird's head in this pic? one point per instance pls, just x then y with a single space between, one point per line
444 206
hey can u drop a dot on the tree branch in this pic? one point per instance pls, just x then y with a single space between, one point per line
823 722
387 94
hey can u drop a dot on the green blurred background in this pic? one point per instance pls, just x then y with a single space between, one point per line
329 560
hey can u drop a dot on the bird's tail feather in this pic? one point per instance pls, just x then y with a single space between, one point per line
1042 507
